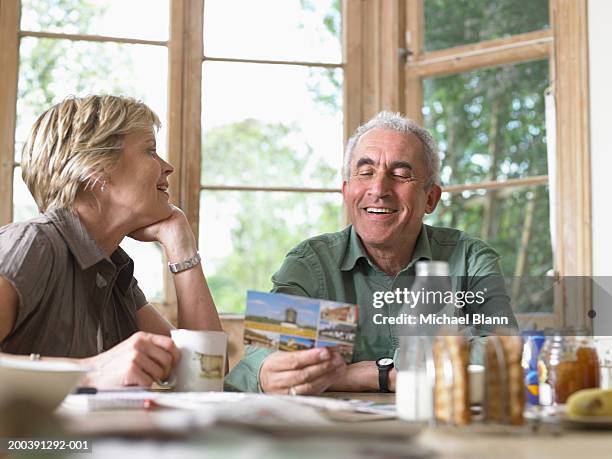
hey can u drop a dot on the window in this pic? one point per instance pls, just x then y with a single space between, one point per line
490 127
489 121
476 75
255 94
481 75
269 122
272 137
81 47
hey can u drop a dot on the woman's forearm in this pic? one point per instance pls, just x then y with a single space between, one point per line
196 308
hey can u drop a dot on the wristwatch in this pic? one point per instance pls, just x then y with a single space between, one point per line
385 365
185 264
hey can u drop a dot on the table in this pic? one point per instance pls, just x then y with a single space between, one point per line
133 434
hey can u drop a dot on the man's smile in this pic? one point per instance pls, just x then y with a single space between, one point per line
379 212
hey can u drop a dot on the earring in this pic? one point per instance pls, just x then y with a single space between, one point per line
103 186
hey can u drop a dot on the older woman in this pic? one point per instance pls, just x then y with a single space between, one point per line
66 287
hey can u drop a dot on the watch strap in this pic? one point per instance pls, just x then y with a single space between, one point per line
383 379
185 264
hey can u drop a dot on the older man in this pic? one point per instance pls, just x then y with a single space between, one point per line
391 180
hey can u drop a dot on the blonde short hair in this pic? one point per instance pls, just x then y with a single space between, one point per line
73 142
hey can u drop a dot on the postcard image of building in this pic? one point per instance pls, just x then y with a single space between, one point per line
295 343
339 312
336 331
282 314
261 338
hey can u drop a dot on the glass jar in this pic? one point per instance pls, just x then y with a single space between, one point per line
604 350
588 361
566 364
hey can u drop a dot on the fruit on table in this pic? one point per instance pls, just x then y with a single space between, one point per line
590 402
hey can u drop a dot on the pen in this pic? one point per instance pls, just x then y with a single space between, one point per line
86 390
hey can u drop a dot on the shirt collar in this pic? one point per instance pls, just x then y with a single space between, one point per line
355 250
422 248
85 250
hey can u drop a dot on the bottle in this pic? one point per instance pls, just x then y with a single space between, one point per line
413 385
544 387
533 342
433 289
604 347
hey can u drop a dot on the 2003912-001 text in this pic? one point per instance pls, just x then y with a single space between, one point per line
44 444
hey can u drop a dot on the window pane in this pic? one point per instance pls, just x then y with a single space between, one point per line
50 70
271 125
515 222
489 123
244 237
24 206
458 22
295 30
115 18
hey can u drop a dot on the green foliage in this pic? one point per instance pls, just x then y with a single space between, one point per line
71 16
490 125
325 85
266 225
51 69
458 22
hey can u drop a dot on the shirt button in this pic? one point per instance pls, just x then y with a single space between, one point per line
100 281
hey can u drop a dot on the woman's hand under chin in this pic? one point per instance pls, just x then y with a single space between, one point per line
173 233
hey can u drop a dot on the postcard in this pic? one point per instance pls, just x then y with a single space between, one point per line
294 323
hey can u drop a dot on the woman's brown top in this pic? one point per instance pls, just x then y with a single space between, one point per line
70 293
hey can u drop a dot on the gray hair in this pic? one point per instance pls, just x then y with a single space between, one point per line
391 120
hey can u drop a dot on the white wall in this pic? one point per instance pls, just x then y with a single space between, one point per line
600 86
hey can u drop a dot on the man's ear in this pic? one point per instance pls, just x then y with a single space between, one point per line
433 198
344 189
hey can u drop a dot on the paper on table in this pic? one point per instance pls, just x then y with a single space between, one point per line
222 406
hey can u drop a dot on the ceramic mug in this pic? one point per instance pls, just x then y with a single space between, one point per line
202 364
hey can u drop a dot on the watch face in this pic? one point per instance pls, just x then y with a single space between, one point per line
385 361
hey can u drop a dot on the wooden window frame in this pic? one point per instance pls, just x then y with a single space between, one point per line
379 73
384 68
185 59
178 113
228 317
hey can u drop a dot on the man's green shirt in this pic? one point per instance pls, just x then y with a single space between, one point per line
336 267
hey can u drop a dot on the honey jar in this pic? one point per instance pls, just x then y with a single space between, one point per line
567 363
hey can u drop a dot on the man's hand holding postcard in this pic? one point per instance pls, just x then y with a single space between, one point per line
294 323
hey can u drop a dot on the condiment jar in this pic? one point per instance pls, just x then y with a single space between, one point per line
566 365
